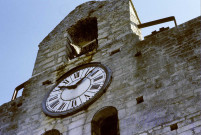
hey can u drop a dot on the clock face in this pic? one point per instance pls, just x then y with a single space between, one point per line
77 89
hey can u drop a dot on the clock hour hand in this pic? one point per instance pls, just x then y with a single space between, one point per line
68 87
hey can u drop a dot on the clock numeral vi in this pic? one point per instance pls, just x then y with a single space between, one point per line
54 104
62 106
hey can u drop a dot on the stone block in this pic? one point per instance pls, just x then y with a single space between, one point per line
143 134
48 65
197 130
189 132
188 127
76 123
121 114
76 131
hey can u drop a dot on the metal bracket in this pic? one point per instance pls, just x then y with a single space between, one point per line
163 20
21 86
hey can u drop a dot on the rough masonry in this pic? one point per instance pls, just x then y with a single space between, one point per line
156 82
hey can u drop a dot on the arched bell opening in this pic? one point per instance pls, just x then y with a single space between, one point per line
52 132
105 122
82 37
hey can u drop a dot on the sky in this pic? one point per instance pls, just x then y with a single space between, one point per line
25 23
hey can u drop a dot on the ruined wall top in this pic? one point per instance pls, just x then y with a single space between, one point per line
98 9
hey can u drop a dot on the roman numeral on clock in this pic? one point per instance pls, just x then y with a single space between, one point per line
98 78
54 104
94 73
62 106
74 103
66 81
87 96
86 71
96 86
76 75
53 98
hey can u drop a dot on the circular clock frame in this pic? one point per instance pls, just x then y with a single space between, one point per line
86 104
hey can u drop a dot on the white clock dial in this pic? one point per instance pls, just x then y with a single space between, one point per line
77 88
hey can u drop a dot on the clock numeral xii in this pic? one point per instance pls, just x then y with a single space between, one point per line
76 75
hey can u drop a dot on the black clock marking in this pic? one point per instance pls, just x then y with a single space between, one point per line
87 96
96 86
53 98
94 73
66 81
76 74
54 104
98 78
62 106
88 70
73 103
80 100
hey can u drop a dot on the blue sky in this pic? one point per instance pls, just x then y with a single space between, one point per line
24 24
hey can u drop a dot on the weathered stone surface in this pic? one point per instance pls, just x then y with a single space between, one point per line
164 69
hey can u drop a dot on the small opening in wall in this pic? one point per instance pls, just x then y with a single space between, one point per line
19 104
138 54
139 100
115 51
173 127
84 31
47 82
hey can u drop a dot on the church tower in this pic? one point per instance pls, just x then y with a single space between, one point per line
94 75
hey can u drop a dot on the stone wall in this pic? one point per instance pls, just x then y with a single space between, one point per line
167 74
164 70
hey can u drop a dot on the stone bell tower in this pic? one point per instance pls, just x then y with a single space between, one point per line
94 32
153 86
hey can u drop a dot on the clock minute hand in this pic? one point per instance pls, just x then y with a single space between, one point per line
84 77
75 85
